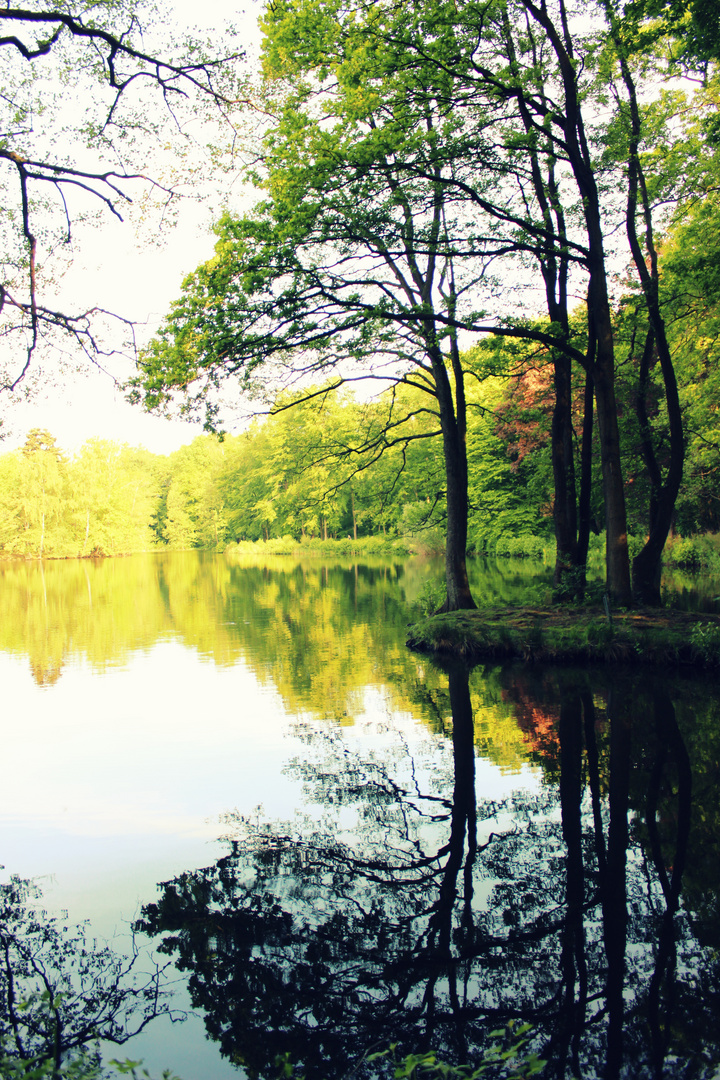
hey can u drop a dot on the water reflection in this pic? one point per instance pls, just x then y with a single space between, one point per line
318 633
61 991
403 910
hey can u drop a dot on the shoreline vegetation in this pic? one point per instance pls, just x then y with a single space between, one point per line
695 553
532 628
699 552
571 635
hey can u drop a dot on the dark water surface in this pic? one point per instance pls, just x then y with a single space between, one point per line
334 844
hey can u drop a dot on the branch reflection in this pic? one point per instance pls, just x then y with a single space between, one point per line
403 911
61 993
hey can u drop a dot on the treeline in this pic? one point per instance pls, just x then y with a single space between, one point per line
102 501
297 474
330 466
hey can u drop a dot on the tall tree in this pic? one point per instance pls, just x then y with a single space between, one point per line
413 152
396 175
351 265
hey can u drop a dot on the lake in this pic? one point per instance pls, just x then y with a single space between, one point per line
233 770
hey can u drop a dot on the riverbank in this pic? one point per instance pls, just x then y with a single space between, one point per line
572 635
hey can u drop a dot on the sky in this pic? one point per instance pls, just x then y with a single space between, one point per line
113 267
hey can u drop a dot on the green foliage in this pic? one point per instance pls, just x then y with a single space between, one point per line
563 634
504 1058
429 599
61 994
83 1064
100 502
195 511
522 547
694 553
130 104
705 640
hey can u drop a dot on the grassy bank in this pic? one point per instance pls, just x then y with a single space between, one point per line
366 545
572 635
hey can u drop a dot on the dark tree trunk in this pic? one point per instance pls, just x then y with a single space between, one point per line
565 578
614 884
573 961
647 565
617 563
452 423
599 315
584 507
671 758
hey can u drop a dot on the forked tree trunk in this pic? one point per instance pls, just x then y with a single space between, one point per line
617 560
578 155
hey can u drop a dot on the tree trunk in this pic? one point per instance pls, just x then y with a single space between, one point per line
613 882
599 314
565 503
584 504
648 564
573 960
456 579
458 595
617 562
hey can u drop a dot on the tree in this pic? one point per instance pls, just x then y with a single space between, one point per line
370 246
412 151
196 515
688 269
328 464
112 495
34 487
351 260
61 160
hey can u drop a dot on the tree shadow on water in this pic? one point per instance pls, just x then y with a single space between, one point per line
406 912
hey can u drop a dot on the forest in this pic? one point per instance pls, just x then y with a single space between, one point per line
466 306
298 474
452 193
475 300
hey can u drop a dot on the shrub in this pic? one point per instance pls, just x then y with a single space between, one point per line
705 640
526 546
429 599
694 552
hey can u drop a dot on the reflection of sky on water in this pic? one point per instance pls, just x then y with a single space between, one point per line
117 780
120 768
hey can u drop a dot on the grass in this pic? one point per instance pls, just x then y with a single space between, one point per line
558 634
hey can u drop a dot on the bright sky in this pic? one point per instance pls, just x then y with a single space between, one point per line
138 281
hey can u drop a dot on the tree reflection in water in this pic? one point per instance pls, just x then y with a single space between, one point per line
407 914
62 993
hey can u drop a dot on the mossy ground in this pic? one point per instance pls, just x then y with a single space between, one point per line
572 635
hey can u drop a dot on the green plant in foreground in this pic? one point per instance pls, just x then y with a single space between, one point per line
505 1058
705 640
82 1065
429 599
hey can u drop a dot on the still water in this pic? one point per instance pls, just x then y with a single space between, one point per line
238 772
